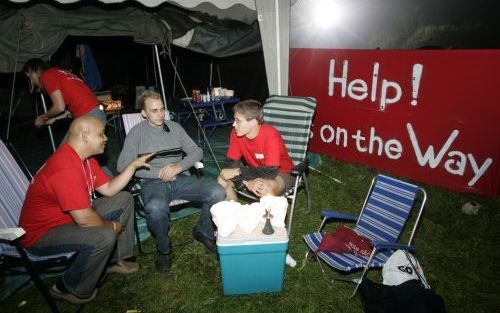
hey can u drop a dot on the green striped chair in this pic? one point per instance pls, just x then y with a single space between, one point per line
292 117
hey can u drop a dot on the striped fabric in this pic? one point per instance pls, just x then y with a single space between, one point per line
130 120
292 116
14 186
387 209
382 219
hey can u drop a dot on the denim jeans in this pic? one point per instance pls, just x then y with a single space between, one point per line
95 246
157 194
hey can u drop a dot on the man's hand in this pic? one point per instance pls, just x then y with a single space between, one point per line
228 173
170 172
41 120
116 226
258 186
142 161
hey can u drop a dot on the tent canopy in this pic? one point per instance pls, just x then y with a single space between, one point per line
24 37
38 30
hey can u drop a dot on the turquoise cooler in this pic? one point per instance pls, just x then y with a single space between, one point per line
252 263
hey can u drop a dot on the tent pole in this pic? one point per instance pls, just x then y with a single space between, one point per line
49 127
218 75
210 83
157 56
175 81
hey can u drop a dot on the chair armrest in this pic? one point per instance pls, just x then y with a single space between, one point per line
339 216
301 167
382 245
11 234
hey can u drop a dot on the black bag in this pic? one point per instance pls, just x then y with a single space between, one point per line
408 297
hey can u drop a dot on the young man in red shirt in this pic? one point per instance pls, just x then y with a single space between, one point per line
66 91
267 166
60 213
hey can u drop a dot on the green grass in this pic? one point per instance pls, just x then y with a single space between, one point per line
459 255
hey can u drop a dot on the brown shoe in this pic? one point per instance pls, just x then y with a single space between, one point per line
71 298
123 267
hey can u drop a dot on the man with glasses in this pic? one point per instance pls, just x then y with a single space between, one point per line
267 166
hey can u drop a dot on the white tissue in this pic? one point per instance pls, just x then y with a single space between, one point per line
278 206
225 216
250 216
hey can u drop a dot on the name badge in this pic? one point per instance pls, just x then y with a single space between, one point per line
259 156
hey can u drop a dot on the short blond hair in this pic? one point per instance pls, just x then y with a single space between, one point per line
147 94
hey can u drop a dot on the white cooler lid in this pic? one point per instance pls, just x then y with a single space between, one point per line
239 237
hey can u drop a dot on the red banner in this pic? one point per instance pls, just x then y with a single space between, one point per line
430 115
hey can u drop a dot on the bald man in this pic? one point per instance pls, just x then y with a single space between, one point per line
61 213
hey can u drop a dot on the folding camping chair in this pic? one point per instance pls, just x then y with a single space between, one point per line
129 121
292 117
14 260
384 215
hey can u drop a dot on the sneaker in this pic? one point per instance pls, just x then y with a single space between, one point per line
123 267
56 293
163 263
207 242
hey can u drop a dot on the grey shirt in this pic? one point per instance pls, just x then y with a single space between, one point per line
144 138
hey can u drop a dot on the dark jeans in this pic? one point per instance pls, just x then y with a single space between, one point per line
157 194
95 246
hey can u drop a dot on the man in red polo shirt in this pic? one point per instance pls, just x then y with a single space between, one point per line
261 148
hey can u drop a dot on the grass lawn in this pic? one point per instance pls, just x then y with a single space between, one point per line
457 252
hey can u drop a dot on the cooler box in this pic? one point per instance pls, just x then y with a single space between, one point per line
252 263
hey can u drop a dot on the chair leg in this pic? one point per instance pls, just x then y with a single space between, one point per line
308 194
37 280
43 289
137 235
365 270
292 207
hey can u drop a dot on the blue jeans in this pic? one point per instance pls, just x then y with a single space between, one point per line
95 246
157 194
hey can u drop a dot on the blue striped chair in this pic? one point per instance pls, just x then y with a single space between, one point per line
383 218
14 260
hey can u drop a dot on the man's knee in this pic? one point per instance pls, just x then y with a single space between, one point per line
223 182
216 193
102 238
277 186
156 208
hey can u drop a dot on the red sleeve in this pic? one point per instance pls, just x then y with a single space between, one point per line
233 152
70 190
272 148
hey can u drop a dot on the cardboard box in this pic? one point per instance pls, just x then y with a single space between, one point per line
252 263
